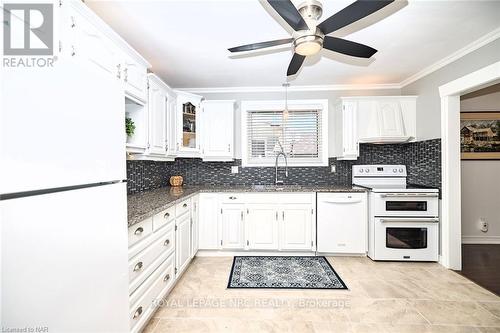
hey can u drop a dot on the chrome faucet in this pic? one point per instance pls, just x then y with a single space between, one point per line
282 152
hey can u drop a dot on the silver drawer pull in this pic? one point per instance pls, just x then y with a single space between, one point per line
139 231
185 205
137 313
232 198
166 242
166 215
166 278
138 266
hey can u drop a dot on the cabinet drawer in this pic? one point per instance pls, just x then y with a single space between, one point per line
163 218
228 198
140 231
161 281
140 265
183 207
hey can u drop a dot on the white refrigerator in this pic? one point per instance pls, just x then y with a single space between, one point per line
63 200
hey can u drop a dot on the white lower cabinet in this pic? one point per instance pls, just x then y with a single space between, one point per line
262 227
194 225
182 242
160 249
233 226
208 213
295 227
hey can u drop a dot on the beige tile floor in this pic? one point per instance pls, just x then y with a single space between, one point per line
382 297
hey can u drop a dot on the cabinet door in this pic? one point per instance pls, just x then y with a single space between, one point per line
342 223
182 242
217 123
92 47
233 227
157 115
194 225
135 78
349 131
296 227
188 138
208 221
390 118
263 227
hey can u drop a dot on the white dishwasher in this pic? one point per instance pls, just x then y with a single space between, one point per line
342 222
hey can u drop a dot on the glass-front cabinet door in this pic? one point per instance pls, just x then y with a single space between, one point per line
188 120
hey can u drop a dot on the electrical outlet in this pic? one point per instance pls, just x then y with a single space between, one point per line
333 168
483 224
235 169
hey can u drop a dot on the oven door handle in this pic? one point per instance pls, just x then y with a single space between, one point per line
410 219
408 195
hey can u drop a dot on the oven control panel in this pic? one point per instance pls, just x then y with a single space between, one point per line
379 170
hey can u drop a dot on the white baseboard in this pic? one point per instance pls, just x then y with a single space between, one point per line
232 253
480 239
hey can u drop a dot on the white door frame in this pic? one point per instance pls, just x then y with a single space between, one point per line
451 234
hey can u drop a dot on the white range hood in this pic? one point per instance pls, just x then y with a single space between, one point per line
386 120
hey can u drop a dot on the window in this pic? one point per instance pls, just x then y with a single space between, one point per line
301 135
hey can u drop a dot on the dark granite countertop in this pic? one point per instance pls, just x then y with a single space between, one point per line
147 204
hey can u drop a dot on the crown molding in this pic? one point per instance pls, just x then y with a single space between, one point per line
486 39
482 41
329 87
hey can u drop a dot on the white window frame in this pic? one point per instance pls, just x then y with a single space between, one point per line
279 105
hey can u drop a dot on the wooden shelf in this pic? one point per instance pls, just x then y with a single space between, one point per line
189 133
189 114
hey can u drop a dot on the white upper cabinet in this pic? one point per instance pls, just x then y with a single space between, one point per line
188 124
134 75
346 131
157 105
386 119
217 130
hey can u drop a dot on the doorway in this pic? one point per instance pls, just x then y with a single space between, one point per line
480 186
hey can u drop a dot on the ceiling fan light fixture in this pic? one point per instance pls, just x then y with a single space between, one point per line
308 45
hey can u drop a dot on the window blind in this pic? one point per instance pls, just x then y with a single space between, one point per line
299 135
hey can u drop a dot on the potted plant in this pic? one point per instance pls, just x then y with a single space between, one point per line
129 127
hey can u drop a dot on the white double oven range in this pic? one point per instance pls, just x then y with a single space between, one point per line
403 220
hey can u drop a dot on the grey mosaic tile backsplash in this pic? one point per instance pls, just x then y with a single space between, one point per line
423 160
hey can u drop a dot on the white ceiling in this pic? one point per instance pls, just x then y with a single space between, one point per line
187 41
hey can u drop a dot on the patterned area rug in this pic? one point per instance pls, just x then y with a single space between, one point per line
284 272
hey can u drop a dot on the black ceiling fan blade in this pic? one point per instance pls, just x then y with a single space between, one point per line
347 47
289 13
352 13
295 64
261 45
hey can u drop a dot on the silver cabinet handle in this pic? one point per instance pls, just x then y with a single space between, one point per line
73 24
232 198
139 231
166 216
405 195
73 52
185 205
166 278
125 74
166 242
229 148
283 215
137 313
138 266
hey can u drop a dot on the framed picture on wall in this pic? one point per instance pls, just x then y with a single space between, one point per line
480 135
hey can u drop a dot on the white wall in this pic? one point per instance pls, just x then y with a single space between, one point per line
481 179
429 101
332 97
